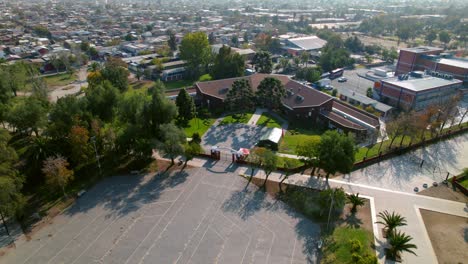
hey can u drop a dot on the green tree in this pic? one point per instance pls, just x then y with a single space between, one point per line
305 57
269 163
335 58
227 64
57 173
354 44
172 141
27 115
240 96
308 151
391 221
356 201
191 150
158 110
195 50
185 106
370 93
444 37
431 36
336 153
269 93
102 100
399 242
115 71
16 76
235 41
262 62
172 42
211 38
11 182
332 200
42 31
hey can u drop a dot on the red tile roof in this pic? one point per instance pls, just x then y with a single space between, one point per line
298 94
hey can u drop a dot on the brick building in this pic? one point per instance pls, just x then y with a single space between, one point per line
416 91
432 59
301 103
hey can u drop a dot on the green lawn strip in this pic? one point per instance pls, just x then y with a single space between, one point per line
236 118
291 141
282 160
60 79
178 84
52 81
199 125
464 182
340 250
269 120
374 149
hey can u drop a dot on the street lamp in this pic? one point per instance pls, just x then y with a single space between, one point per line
93 139
331 206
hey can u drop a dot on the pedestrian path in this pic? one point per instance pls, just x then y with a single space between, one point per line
256 116
406 204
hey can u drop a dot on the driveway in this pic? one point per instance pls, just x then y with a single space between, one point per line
202 215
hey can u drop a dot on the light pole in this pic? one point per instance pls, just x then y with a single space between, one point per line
93 139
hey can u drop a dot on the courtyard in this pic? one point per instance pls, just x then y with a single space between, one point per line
201 215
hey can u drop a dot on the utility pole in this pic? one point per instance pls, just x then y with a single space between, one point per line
93 139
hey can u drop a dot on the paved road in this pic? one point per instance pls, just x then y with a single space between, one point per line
406 204
202 215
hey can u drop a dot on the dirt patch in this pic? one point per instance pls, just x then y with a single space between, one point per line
445 192
448 235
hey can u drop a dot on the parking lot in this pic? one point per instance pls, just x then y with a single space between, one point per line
203 215
354 82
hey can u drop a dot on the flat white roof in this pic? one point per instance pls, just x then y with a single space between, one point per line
421 84
455 62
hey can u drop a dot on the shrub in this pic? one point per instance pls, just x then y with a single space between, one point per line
356 245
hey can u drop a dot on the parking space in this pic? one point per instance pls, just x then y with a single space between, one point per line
193 216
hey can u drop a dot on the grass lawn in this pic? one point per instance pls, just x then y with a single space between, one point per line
464 182
60 79
236 118
296 163
339 250
53 81
200 125
178 84
297 134
141 85
269 120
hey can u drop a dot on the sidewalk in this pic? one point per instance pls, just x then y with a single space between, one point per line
256 116
406 204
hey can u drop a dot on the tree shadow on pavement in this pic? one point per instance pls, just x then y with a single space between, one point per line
122 195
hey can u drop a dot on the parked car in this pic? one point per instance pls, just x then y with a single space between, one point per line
329 87
342 79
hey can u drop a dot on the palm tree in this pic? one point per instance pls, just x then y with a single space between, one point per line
356 201
399 242
391 221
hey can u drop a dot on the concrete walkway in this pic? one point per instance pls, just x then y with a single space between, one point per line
256 116
406 204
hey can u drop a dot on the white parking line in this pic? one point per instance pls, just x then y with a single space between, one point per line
152 229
